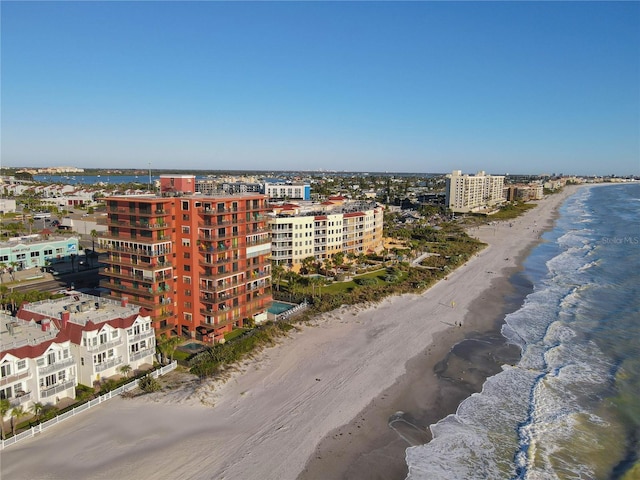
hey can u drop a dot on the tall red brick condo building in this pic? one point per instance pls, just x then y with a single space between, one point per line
199 263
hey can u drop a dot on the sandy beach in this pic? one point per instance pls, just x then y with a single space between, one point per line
316 406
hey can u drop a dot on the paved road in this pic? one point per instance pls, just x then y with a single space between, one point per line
25 280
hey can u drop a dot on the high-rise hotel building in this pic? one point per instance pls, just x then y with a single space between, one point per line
473 193
199 263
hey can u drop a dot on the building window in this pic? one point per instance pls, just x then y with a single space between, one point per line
188 317
187 268
186 242
22 364
186 280
185 205
186 229
186 255
5 370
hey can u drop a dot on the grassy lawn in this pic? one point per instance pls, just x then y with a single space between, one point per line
341 287
236 332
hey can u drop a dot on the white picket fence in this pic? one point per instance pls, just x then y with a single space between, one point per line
85 406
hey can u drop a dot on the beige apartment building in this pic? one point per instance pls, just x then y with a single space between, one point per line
473 193
322 230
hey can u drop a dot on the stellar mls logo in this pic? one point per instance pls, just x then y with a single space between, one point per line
621 240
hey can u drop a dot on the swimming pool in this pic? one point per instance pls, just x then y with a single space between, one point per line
192 347
279 307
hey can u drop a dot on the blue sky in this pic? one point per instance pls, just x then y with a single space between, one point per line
506 87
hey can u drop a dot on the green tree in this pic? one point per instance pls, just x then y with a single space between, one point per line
307 264
16 414
125 370
338 259
5 406
293 280
36 408
167 348
277 272
94 235
12 270
149 384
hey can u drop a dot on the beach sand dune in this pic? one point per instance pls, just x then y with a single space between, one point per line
268 418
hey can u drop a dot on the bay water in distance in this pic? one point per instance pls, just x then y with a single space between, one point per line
570 408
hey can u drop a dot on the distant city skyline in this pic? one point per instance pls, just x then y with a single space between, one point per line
504 87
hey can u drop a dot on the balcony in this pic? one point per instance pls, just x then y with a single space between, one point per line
101 367
219 287
137 239
218 237
141 336
220 297
258 286
13 378
134 357
20 399
134 250
220 260
152 213
220 211
257 274
139 290
54 390
260 241
149 305
215 224
105 346
219 324
54 367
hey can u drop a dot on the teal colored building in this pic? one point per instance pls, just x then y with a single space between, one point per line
37 251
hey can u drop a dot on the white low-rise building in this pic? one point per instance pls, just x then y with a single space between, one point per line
104 334
36 363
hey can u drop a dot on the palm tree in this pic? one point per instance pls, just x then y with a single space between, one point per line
307 264
4 291
12 270
277 271
328 263
168 347
3 270
292 282
124 370
94 235
5 406
16 414
36 408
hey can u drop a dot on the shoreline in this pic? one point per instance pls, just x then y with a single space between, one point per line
267 419
429 390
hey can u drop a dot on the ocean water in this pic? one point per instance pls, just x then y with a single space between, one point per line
570 408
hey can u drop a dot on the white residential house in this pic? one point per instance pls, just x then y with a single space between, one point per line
104 334
36 363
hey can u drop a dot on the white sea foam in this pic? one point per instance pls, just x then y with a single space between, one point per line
558 397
